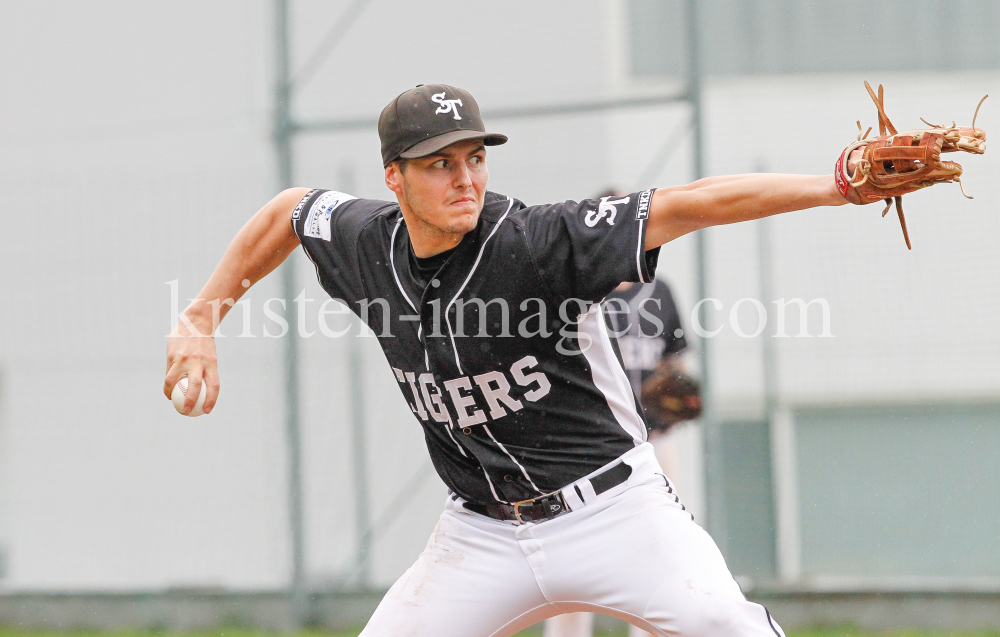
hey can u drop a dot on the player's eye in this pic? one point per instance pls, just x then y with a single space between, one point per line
441 163
476 159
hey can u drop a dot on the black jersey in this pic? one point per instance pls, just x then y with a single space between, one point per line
645 320
503 356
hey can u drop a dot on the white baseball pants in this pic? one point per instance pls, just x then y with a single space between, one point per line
582 624
631 552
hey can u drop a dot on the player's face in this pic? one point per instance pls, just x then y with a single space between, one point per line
444 191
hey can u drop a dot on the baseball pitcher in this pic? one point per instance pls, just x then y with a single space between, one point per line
489 314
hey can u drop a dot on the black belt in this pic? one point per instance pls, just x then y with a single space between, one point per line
552 505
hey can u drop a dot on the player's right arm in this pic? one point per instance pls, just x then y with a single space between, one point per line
258 248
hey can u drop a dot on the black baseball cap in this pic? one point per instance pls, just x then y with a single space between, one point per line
425 119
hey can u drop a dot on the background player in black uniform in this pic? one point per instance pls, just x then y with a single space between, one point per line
647 326
556 502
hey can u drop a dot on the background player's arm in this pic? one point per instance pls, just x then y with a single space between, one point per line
258 248
678 210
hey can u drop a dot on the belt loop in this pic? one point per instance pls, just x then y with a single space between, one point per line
587 490
572 497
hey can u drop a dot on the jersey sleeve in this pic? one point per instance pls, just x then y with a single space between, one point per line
328 225
585 249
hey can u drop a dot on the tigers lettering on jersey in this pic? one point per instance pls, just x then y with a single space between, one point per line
477 399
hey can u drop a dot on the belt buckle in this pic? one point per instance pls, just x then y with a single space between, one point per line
517 509
554 510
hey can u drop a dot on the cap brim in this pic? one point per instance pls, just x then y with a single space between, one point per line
434 144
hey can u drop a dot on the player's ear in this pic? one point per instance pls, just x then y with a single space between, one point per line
394 178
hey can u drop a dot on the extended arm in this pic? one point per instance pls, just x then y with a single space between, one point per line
678 210
258 248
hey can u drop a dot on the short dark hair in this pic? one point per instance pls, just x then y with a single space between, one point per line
401 163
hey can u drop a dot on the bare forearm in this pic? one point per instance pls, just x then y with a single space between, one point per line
258 248
753 196
677 211
713 181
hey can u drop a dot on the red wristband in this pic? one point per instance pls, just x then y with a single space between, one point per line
838 175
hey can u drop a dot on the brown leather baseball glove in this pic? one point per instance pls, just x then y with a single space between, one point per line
670 396
894 164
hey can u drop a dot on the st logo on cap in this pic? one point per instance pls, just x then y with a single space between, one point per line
425 119
447 106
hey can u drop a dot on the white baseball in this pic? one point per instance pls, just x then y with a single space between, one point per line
180 391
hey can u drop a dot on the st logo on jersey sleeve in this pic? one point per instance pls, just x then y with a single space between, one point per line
607 209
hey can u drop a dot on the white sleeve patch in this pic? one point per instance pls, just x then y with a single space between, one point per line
318 220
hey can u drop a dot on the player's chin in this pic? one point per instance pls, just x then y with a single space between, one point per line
462 221
464 226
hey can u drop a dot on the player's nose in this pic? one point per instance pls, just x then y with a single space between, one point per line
462 177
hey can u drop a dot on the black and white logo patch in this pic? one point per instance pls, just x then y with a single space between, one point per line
606 208
642 212
298 209
318 220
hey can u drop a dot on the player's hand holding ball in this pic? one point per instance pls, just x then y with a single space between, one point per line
192 380
180 393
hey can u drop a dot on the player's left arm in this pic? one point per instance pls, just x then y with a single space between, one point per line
715 201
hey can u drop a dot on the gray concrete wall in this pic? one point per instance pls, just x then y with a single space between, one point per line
882 611
869 610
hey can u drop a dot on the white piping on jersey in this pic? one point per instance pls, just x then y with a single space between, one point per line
504 449
609 375
447 427
492 490
466 282
640 249
392 264
427 363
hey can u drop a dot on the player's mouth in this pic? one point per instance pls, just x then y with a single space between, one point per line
465 205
